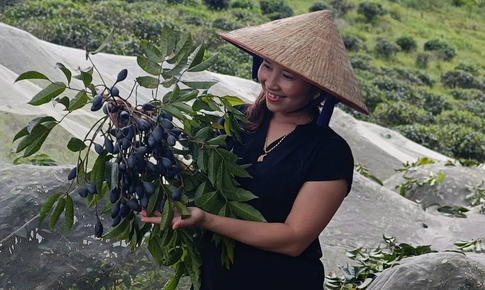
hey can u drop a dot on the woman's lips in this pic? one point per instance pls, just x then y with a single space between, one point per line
272 97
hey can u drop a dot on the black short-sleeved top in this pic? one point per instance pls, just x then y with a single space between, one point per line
309 153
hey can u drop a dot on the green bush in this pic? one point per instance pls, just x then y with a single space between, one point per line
407 43
421 134
370 10
386 49
317 6
216 4
342 6
468 67
460 79
409 76
361 61
243 4
468 94
225 24
391 114
422 60
433 103
442 49
371 94
352 42
275 9
463 118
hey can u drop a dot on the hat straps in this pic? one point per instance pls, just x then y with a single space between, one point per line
327 110
257 61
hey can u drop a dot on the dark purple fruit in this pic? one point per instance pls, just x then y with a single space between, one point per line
91 188
158 133
177 194
152 168
148 107
124 115
98 229
142 150
125 210
115 210
72 174
142 125
151 142
171 140
166 123
166 162
116 221
82 191
114 195
108 145
133 204
144 202
115 92
165 115
140 191
97 103
98 148
125 143
149 187
131 162
122 75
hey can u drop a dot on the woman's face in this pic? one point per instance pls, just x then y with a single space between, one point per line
284 91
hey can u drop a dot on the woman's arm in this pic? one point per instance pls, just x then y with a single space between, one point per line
312 210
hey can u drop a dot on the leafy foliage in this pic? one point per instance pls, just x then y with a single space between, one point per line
370 10
161 156
275 9
371 263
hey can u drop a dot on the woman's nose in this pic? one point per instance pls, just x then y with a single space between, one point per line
271 81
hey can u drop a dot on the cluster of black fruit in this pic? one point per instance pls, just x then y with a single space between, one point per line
140 140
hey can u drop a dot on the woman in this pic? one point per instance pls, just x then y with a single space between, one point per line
301 169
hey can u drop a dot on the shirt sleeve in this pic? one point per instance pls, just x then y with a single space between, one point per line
333 161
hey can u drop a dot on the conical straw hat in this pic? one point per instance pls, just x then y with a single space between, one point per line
308 45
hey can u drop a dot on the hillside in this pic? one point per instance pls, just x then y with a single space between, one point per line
420 64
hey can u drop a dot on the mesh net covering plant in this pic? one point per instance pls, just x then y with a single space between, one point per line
161 156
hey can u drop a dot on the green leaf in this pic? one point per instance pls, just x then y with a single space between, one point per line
148 65
182 107
207 200
97 172
173 282
118 230
230 101
187 95
78 101
200 85
217 141
154 247
148 82
48 121
66 71
167 41
76 145
152 52
69 214
205 65
197 56
31 75
46 207
20 134
182 49
245 211
86 76
182 209
240 194
115 173
56 213
167 215
32 143
63 101
105 43
46 95
172 110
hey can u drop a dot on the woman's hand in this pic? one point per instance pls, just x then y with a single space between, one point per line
196 218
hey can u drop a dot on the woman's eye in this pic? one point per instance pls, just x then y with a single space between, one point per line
289 77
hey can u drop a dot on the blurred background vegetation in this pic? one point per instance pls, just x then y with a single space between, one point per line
420 63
